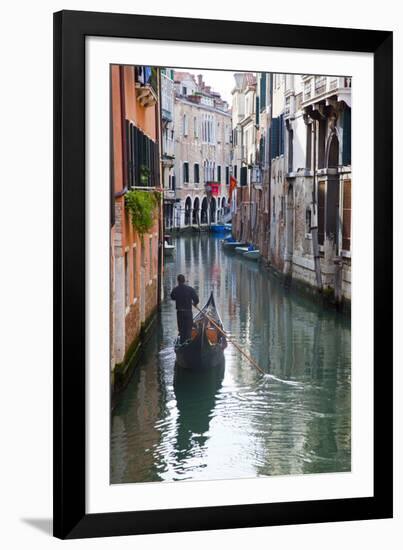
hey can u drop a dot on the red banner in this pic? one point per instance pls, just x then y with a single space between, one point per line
215 189
232 186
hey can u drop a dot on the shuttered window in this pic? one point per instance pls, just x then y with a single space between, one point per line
219 173
277 137
263 91
346 243
185 172
274 152
281 135
226 175
244 175
142 158
321 212
257 110
196 173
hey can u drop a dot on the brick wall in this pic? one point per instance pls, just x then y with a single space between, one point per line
151 298
132 325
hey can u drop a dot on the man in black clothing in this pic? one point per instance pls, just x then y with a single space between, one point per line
184 296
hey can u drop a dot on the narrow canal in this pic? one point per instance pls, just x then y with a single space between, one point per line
294 420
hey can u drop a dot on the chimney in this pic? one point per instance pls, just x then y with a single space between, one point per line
200 81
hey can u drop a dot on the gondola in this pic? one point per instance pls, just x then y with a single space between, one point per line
205 349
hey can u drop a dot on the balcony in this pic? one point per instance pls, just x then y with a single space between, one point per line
320 85
168 161
168 147
317 88
287 109
307 90
166 115
146 85
169 194
256 175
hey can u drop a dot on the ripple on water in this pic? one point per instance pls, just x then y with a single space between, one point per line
293 420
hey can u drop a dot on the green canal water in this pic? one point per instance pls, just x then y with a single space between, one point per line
294 420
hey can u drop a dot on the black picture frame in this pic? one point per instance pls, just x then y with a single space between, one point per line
70 30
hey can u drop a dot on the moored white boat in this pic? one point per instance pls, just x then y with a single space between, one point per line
169 249
231 245
252 255
241 249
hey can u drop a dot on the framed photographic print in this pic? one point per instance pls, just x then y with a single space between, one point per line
223 274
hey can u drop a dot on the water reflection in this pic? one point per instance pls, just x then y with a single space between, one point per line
195 394
294 420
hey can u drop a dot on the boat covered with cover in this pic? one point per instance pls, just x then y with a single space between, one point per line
206 346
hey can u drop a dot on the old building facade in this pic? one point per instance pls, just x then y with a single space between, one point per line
294 191
168 144
244 154
317 119
136 260
202 153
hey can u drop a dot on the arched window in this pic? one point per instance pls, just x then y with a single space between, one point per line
196 208
213 208
333 152
203 213
188 210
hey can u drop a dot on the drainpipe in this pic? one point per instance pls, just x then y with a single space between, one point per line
269 136
250 204
314 227
241 235
161 224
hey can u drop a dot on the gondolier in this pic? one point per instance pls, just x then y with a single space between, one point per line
185 296
205 348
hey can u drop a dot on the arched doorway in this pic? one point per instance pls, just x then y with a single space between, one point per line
188 210
196 208
213 209
332 190
223 206
289 232
203 214
333 152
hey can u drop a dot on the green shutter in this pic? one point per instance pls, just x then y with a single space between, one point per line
281 136
274 142
262 91
244 175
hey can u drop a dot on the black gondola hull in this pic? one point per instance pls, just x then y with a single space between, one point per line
199 354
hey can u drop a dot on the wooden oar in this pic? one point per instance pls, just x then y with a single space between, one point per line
248 357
